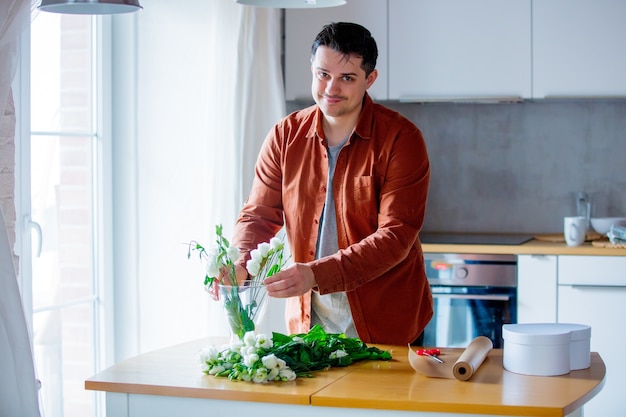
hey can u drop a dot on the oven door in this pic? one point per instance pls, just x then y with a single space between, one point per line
463 313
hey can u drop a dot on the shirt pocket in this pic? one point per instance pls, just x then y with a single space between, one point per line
365 198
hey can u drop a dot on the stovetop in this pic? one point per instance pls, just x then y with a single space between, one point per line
474 238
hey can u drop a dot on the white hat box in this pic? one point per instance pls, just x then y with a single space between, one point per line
545 349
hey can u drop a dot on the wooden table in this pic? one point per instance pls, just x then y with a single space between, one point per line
169 382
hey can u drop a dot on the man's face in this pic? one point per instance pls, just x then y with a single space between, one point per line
339 83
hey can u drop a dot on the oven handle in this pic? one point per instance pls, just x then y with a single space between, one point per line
472 297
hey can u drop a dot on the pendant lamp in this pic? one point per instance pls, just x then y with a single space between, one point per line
89 6
293 4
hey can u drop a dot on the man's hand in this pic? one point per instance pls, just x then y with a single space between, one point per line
293 281
224 277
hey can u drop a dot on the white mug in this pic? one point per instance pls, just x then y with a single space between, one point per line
574 229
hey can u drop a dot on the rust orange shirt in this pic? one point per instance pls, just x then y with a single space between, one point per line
380 188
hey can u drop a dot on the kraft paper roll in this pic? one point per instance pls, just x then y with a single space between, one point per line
471 359
462 368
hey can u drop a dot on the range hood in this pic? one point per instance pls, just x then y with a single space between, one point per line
474 238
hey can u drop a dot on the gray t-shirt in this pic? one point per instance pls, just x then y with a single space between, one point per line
331 311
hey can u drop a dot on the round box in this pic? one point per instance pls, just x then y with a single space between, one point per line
541 349
579 346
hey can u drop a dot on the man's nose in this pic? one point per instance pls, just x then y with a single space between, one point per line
332 86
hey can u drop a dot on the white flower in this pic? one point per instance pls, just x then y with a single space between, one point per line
260 375
249 339
281 364
264 249
287 374
256 255
250 360
264 342
276 244
208 354
270 361
216 369
337 354
253 266
233 253
273 374
247 350
213 266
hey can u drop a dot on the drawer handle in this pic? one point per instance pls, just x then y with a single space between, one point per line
473 297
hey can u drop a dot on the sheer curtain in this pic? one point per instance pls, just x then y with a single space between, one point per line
246 99
247 87
18 386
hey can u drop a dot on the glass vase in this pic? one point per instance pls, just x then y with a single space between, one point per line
244 307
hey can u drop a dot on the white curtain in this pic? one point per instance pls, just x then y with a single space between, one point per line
18 386
248 98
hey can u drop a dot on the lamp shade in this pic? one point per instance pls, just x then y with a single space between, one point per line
90 6
293 4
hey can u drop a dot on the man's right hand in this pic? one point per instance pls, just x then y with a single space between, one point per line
293 281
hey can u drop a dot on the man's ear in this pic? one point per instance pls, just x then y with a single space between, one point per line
371 78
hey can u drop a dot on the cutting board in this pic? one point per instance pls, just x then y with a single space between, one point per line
559 238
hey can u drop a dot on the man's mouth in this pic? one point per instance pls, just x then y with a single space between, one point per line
332 99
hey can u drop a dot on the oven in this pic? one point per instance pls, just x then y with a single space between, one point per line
474 295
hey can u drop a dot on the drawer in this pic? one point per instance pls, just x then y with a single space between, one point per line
592 270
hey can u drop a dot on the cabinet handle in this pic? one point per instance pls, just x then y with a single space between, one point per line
598 286
468 100
473 297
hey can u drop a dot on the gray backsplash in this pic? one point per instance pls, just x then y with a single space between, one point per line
517 167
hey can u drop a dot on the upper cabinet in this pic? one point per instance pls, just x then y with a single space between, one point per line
579 48
455 50
301 27
449 49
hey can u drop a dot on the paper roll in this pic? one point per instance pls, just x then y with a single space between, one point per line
471 359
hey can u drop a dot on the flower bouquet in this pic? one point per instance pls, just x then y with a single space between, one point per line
244 304
258 358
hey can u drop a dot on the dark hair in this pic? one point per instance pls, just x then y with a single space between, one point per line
348 38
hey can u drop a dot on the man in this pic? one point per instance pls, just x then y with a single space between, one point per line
349 179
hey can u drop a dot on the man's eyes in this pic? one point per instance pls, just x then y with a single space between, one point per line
324 75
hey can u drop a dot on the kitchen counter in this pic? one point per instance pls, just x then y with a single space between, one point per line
169 382
532 247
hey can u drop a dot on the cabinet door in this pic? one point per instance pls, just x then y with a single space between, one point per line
536 288
604 309
301 27
457 49
578 48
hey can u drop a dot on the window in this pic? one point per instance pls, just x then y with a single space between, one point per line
65 202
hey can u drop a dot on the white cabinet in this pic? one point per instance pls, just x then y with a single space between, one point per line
454 50
301 27
578 48
536 288
592 291
457 49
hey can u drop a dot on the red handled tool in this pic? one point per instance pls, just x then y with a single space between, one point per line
431 353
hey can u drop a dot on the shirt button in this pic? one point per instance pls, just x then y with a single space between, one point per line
311 253
316 221
323 188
